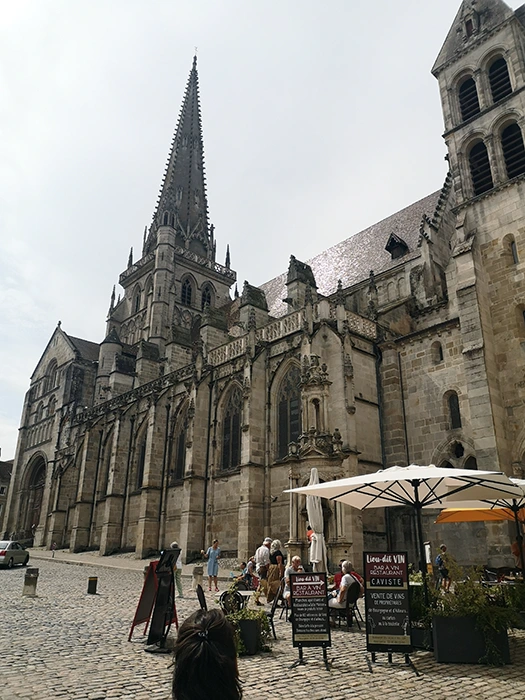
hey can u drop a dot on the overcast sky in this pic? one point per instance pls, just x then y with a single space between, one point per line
319 119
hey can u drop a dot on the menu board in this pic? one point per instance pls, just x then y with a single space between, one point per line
386 601
310 622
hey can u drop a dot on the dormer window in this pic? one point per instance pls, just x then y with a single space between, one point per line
396 246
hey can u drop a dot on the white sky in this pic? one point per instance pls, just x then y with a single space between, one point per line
319 119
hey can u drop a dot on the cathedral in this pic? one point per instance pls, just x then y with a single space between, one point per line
404 343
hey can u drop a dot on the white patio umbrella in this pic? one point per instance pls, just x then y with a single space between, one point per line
315 518
418 487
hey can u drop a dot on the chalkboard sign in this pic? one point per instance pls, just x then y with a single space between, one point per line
386 602
310 622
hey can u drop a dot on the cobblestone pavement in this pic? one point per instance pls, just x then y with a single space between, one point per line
67 644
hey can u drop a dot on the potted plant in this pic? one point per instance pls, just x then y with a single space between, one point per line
252 630
469 624
420 612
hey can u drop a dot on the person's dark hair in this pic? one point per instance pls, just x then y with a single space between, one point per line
206 659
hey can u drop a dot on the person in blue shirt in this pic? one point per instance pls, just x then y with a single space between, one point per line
212 555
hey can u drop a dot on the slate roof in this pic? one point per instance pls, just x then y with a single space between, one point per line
86 349
491 14
351 260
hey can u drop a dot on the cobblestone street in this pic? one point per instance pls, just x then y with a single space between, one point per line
67 644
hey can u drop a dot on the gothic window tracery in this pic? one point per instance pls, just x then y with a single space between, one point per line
480 169
231 430
187 292
206 297
499 79
513 150
289 410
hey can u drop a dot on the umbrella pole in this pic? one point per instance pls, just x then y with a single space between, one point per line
421 542
519 536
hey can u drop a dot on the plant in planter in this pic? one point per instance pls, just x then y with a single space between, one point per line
469 625
252 630
421 613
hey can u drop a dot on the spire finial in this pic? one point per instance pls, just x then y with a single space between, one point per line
227 261
130 259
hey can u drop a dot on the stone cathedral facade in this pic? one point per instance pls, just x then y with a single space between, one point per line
404 343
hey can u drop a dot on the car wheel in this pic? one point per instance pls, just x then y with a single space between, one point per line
26 560
10 563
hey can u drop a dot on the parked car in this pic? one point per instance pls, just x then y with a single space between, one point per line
12 553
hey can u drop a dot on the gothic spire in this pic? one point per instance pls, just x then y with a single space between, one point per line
182 202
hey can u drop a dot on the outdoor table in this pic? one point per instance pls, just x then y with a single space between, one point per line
246 595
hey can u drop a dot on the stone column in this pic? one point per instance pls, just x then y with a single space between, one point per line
82 515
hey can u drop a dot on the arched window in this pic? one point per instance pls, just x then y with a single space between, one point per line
206 297
480 168
446 465
51 376
165 218
470 463
231 430
468 99
136 301
453 410
141 462
513 150
289 410
104 481
172 220
499 79
51 407
437 352
186 293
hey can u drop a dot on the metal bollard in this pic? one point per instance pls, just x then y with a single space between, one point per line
30 581
197 577
92 584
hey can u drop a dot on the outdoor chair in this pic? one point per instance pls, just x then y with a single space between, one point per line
350 610
275 603
201 597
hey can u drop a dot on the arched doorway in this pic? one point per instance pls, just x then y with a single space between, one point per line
34 497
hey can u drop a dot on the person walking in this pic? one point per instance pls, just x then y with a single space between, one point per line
443 579
275 570
262 564
212 555
177 571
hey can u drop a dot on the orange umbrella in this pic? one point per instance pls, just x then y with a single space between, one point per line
472 515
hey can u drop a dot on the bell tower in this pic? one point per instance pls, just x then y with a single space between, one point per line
481 75
480 70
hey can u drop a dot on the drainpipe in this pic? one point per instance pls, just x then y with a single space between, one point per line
379 358
163 477
207 464
93 504
125 494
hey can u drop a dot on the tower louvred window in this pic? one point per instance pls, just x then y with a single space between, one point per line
468 99
513 150
480 169
499 80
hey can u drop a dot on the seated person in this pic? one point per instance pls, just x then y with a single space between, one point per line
206 658
295 568
248 570
337 599
338 575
